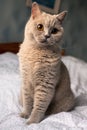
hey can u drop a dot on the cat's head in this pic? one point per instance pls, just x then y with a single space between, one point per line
44 28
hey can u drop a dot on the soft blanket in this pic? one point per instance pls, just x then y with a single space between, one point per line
9 93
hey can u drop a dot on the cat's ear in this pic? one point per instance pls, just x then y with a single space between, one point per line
61 16
35 10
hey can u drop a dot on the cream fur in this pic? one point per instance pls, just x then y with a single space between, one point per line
45 85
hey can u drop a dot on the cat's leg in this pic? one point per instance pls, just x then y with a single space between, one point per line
65 104
21 97
63 99
42 99
27 101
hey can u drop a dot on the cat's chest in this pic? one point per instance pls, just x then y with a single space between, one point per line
34 61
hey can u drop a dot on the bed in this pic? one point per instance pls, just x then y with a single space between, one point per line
10 87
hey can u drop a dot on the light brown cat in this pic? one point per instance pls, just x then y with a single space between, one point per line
45 80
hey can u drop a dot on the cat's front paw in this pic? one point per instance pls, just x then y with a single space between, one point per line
29 121
34 119
24 115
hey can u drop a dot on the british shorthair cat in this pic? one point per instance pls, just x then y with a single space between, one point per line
45 85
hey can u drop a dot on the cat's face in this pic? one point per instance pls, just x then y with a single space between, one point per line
46 29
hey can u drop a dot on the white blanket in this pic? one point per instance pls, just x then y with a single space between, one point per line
9 92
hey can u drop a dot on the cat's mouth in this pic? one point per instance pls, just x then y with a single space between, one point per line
44 41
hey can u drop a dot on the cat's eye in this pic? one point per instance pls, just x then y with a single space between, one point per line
40 27
54 31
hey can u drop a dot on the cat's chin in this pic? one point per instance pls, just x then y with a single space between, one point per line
45 42
42 42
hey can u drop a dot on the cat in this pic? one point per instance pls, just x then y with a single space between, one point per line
45 83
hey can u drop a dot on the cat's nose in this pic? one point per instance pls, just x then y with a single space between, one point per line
47 36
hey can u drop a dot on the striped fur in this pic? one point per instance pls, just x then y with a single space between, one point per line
45 83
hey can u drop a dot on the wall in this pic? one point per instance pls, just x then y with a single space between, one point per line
75 37
14 14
